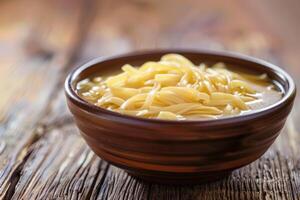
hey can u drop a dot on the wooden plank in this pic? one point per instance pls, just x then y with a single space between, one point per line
37 47
58 164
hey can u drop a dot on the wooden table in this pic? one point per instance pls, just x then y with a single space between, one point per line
42 155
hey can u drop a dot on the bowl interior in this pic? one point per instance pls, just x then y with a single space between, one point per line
235 62
104 66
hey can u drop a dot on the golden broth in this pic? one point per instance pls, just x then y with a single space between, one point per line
176 89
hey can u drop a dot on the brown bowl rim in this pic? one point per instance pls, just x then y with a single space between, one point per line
289 94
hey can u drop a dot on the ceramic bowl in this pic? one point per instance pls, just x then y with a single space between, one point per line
179 152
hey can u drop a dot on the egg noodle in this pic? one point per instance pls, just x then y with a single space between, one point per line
174 89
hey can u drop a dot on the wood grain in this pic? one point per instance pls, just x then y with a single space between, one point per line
42 40
29 78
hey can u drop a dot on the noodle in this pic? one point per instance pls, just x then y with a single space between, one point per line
174 89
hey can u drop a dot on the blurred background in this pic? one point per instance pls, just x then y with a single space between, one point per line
48 28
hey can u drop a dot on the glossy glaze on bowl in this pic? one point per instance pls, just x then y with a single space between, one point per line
179 151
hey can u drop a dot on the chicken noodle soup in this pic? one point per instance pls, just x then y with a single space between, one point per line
176 89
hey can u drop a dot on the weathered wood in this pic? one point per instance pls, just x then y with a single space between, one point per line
41 50
42 155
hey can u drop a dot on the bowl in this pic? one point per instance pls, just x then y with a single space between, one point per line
179 152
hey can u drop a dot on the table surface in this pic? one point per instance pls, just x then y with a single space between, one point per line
42 155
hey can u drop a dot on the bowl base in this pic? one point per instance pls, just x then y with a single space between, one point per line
180 179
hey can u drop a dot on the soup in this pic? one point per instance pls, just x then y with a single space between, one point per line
174 88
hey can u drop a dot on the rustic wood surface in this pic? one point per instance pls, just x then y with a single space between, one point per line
42 155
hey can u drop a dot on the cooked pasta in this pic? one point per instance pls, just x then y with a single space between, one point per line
174 89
